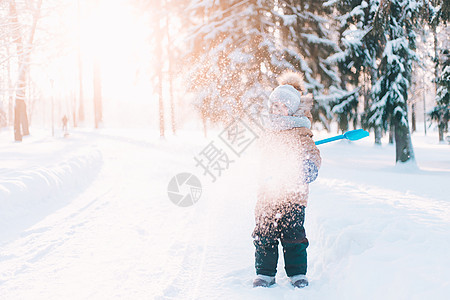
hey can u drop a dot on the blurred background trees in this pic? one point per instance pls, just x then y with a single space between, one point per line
373 64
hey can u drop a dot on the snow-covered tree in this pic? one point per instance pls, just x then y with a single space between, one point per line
441 112
232 55
237 49
307 35
397 19
24 40
356 59
439 13
345 108
164 51
6 51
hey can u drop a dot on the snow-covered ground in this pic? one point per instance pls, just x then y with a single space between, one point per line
88 217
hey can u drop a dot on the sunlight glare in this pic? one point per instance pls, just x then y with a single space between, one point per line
114 33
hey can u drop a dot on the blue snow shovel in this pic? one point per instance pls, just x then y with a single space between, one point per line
352 135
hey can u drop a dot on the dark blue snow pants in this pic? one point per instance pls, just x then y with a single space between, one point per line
285 222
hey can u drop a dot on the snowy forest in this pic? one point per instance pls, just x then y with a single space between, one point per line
103 102
377 65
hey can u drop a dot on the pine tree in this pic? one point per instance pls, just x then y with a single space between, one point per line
440 13
306 35
356 60
397 18
164 51
345 108
232 55
441 112
238 48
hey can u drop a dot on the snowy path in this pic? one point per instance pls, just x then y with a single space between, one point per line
373 233
104 243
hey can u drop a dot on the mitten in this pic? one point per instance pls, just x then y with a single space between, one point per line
310 171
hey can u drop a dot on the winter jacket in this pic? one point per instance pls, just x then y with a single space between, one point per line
289 161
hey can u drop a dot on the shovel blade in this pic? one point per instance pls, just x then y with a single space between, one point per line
357 134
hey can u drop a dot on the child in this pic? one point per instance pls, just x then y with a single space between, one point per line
290 161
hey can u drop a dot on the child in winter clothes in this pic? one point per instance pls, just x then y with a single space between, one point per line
290 161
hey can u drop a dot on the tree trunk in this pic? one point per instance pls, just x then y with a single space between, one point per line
441 124
74 109
436 76
391 134
20 120
403 146
424 106
161 107
81 116
10 94
20 108
373 80
170 62
413 117
98 116
10 116
366 93
97 93
391 131
159 67
378 135
436 59
441 132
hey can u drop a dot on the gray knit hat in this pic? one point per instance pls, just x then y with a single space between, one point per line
287 95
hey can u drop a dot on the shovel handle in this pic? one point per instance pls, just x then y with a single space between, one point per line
334 138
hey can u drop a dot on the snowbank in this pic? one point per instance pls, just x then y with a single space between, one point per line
40 175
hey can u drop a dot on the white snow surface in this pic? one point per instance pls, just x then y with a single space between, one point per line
88 217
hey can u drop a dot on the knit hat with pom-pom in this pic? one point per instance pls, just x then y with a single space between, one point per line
287 95
292 78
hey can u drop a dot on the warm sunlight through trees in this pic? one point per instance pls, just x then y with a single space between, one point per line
50 52
135 62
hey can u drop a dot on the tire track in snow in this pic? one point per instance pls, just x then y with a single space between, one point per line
185 284
37 243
